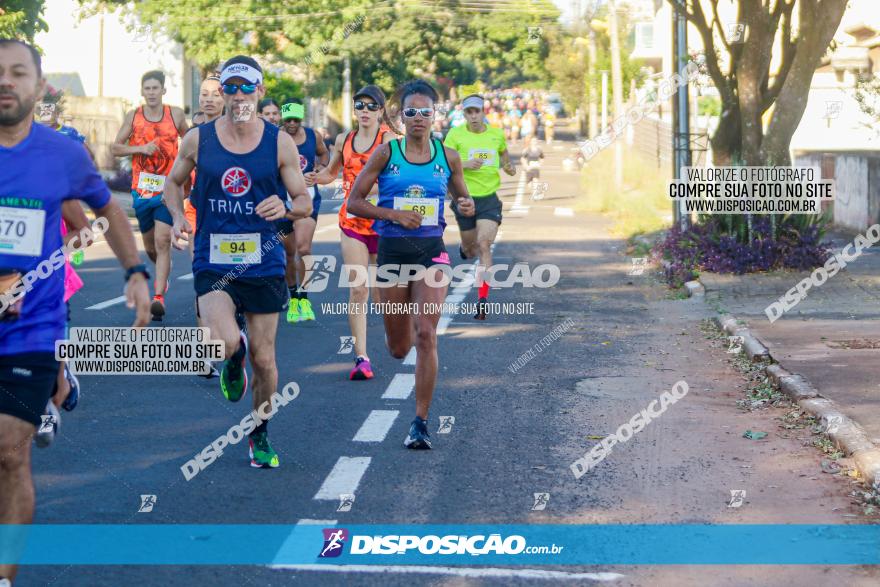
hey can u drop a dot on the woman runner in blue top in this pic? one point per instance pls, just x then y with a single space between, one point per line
414 174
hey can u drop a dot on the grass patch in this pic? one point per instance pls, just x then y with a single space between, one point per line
641 207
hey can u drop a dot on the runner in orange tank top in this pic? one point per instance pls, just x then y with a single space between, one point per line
359 241
150 134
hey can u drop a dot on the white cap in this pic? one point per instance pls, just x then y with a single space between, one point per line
472 102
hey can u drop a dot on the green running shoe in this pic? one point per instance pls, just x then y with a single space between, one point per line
305 310
233 377
262 455
293 315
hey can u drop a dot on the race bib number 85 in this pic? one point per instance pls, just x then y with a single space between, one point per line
21 231
487 156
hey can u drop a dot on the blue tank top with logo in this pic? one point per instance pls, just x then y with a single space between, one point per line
308 151
228 188
421 187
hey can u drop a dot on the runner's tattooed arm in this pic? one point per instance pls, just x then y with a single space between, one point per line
457 188
294 183
364 184
187 156
322 153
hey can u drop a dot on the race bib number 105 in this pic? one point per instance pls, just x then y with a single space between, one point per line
148 182
21 231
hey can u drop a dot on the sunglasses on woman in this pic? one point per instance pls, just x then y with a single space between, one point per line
372 106
231 89
411 112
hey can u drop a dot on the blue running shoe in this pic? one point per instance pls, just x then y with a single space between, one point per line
73 397
418 438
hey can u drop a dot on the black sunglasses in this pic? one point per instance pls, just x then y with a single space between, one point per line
371 106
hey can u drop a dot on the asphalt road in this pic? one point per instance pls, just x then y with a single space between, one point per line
513 434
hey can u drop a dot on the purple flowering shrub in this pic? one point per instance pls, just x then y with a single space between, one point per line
711 247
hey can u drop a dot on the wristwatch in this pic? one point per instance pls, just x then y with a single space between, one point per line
139 268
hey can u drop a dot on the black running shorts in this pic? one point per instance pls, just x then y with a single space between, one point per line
26 384
487 208
257 295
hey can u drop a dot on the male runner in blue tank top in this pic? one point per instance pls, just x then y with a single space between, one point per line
414 174
39 171
313 156
244 163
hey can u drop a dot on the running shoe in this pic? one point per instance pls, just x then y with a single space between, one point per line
461 253
157 308
261 453
481 309
418 438
293 315
305 310
362 370
212 373
49 425
241 321
72 399
233 377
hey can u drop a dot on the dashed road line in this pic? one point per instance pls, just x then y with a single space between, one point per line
563 212
400 387
345 477
107 304
375 428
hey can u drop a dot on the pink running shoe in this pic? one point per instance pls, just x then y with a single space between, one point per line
362 370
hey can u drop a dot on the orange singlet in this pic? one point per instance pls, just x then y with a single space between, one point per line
352 164
148 173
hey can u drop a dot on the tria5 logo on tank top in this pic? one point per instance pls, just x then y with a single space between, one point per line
228 188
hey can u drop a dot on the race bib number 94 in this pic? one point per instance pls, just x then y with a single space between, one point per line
21 231
427 207
235 249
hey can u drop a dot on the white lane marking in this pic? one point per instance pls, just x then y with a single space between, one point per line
290 543
325 229
454 298
563 212
187 277
518 207
401 386
311 522
344 478
456 571
410 358
107 304
443 324
375 428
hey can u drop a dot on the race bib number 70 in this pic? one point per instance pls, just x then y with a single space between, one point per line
21 231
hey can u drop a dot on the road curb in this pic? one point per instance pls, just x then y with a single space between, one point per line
843 430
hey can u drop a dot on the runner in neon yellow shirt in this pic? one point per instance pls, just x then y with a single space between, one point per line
483 152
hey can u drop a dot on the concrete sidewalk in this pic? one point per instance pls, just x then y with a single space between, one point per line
832 337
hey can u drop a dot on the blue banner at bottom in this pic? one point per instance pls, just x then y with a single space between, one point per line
254 544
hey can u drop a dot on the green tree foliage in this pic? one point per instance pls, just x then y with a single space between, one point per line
21 19
387 41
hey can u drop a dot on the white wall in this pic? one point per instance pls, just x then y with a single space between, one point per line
72 46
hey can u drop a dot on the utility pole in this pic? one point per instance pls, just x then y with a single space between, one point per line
604 101
101 54
681 131
346 94
617 88
591 72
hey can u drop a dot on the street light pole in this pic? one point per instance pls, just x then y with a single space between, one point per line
681 132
